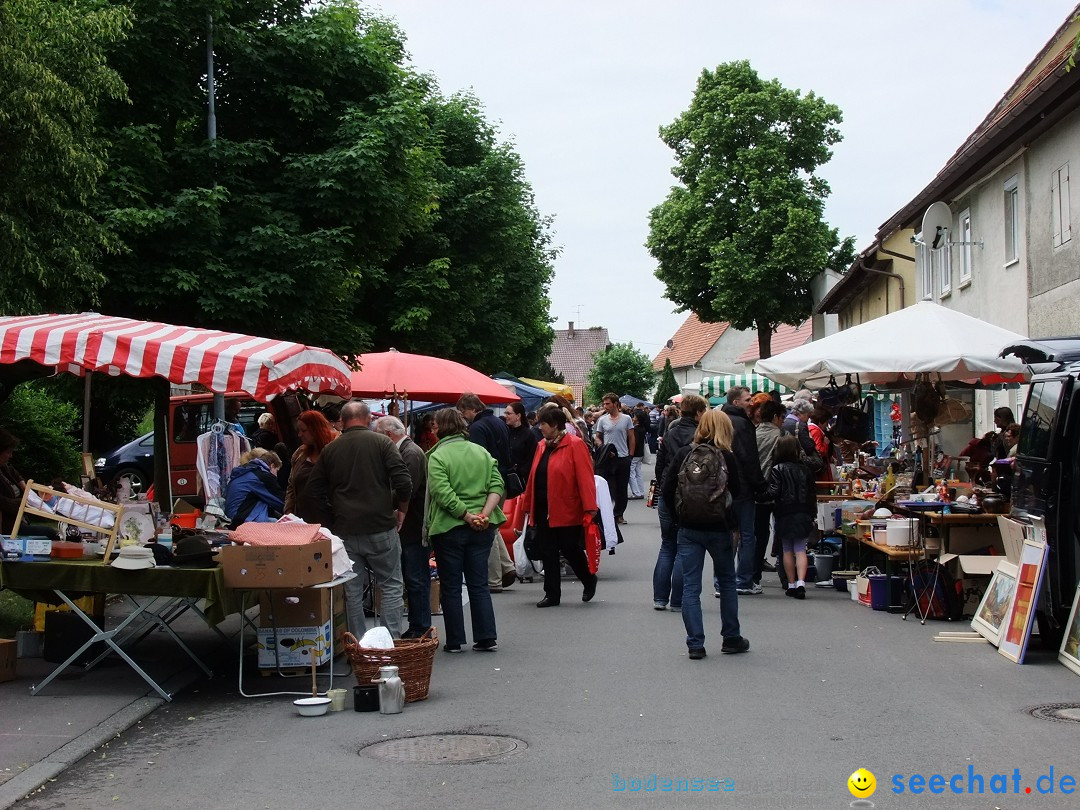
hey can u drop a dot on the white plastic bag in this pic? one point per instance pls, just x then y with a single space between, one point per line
378 638
522 564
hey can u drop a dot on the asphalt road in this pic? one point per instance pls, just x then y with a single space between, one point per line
603 696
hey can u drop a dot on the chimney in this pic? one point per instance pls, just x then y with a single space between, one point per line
571 330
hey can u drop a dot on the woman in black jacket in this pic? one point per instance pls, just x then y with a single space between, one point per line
790 485
522 441
696 536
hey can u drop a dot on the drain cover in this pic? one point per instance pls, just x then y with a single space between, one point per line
437 748
1057 712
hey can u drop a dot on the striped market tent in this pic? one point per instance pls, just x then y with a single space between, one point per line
720 384
221 361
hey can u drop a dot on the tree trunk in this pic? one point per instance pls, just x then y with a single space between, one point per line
764 340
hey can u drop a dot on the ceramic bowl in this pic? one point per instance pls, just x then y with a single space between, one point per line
312 706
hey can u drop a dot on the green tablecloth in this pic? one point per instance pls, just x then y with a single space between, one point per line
37 581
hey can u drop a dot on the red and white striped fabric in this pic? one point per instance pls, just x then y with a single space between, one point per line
221 361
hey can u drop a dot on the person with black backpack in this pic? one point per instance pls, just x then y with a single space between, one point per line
701 481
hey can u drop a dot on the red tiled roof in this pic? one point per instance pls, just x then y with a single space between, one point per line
785 337
690 343
572 355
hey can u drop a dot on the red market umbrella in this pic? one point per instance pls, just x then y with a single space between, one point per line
423 378
220 361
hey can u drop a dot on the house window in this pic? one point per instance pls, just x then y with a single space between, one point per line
965 249
1059 205
1012 221
941 266
926 270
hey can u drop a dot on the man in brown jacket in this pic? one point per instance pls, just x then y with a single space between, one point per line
362 487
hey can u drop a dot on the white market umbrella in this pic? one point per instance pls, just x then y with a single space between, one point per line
894 349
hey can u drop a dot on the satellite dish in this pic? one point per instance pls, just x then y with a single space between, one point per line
935 225
670 344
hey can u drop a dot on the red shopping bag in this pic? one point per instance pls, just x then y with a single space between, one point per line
593 542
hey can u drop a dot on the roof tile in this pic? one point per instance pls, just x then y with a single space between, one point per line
785 337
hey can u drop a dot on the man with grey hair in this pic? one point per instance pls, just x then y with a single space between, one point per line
415 552
362 487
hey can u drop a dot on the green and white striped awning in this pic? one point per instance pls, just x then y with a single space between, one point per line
720 384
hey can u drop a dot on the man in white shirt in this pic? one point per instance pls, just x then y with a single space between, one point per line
617 429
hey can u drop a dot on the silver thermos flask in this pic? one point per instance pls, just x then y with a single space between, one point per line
391 690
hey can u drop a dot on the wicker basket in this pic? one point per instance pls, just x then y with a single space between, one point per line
413 658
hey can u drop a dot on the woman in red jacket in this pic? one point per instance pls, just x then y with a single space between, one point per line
560 492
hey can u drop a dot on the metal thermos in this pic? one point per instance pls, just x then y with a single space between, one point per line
391 691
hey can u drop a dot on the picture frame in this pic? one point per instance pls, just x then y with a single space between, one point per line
1069 654
995 603
1016 630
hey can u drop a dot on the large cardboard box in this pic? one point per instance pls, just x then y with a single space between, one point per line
276 566
301 616
973 571
8 649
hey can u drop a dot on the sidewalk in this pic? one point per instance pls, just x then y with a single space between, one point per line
78 711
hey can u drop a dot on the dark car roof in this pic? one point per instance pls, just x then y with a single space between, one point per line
1059 350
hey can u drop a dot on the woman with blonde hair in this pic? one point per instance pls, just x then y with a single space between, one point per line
700 482
254 494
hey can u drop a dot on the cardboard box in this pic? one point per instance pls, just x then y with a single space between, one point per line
296 646
8 649
436 598
973 571
276 566
300 607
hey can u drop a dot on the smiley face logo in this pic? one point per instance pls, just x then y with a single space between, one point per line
862 784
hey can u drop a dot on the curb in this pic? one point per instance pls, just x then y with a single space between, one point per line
19 787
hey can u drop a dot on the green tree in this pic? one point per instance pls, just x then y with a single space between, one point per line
619 368
545 371
53 76
472 283
47 428
742 235
668 386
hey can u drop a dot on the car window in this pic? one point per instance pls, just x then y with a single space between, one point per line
1037 428
147 441
192 419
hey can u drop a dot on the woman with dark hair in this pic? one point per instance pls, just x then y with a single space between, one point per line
314 432
464 490
522 440
561 491
426 436
12 485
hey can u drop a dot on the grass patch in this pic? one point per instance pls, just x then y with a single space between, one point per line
16 613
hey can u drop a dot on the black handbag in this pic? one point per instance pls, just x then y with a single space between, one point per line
514 485
854 424
532 545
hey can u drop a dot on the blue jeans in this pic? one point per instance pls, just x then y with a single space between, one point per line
464 552
667 579
417 575
745 512
693 543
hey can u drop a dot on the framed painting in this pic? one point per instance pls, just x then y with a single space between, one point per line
995 603
1069 654
1015 632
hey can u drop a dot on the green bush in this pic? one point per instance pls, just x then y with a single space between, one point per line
47 429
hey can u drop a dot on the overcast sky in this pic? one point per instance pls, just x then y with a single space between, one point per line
581 86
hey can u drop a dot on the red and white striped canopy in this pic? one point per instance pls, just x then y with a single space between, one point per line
221 361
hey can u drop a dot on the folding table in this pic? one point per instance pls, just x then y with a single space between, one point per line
158 596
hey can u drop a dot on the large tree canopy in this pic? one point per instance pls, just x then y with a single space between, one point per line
742 235
344 202
53 76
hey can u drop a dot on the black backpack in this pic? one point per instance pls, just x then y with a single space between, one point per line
701 495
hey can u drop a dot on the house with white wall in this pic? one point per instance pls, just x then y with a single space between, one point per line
698 350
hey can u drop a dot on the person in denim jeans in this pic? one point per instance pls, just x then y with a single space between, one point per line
464 491
694 539
744 447
667 575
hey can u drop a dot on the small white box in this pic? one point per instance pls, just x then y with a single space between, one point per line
38 546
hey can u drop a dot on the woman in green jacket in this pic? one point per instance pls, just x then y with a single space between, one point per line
464 491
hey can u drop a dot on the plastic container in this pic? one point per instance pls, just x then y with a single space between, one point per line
902 533
885 592
823 563
853 590
337 699
366 698
312 706
186 520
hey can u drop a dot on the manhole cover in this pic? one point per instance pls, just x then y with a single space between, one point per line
436 748
1057 712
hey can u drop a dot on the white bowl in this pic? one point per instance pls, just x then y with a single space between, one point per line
312 707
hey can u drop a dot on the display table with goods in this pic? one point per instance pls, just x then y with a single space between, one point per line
157 595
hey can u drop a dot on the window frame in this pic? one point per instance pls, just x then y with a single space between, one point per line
1060 215
1011 219
967 256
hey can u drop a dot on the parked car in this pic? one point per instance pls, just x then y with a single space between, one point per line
189 417
134 459
1046 477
